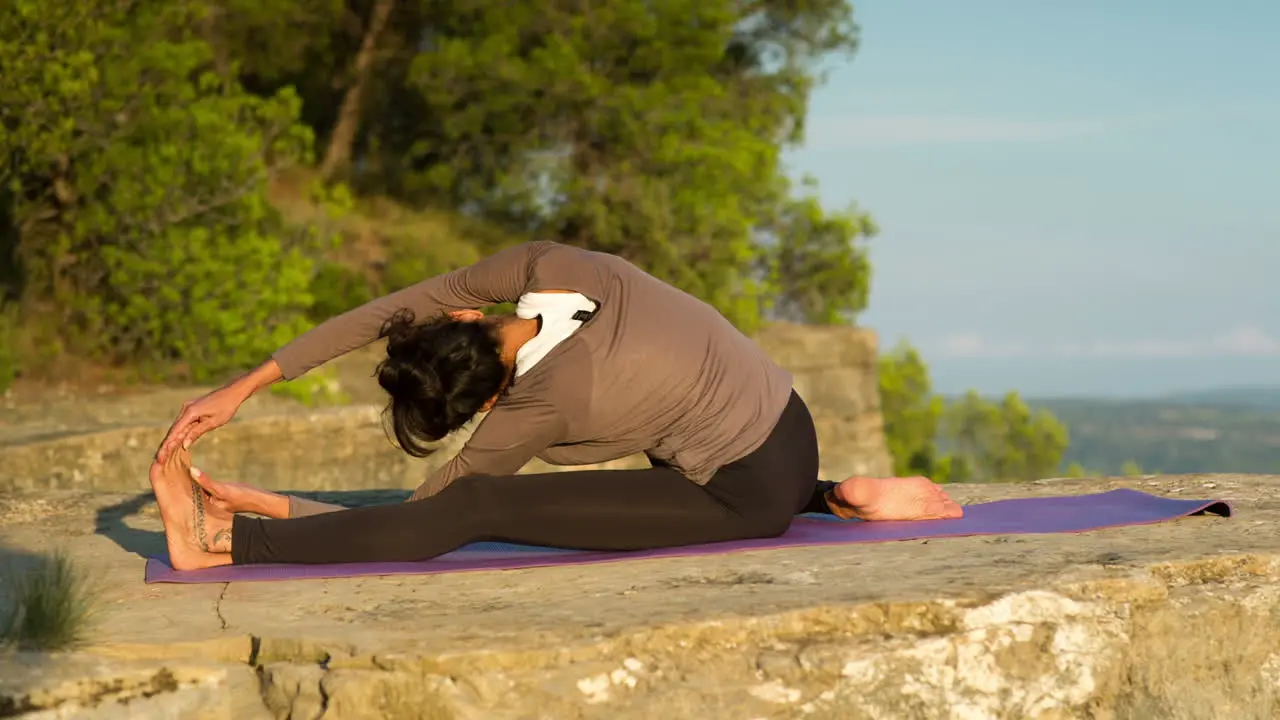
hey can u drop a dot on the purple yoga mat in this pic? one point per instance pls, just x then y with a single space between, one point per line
1030 516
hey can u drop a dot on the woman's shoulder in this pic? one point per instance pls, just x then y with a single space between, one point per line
555 266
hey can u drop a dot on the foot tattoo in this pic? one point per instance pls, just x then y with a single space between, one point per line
221 542
197 517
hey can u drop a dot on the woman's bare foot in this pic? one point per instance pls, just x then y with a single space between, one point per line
198 536
909 498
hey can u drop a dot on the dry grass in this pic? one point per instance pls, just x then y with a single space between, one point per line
377 229
51 604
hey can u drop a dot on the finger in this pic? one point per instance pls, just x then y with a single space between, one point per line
199 429
215 489
175 460
194 431
176 430
162 452
184 418
182 440
202 479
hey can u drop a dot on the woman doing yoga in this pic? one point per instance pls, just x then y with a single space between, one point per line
600 361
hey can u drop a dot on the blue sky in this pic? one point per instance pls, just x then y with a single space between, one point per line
1074 198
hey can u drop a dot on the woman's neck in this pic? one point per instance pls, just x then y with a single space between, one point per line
514 333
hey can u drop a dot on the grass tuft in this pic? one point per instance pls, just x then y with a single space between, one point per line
51 605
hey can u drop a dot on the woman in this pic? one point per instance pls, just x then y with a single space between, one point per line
600 361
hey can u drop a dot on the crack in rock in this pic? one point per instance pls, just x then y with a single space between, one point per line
217 606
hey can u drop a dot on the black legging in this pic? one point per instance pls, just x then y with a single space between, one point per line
756 496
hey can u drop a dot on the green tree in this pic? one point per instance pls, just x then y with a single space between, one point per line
9 367
341 145
971 433
142 136
818 273
1004 440
140 218
969 440
911 412
653 130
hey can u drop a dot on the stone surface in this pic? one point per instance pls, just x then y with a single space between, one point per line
1177 620
1174 620
90 685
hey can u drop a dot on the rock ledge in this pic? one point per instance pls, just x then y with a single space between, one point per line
1178 620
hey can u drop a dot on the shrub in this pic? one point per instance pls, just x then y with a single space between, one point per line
8 348
413 256
336 289
52 605
318 387
141 179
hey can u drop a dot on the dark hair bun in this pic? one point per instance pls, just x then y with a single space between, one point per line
439 375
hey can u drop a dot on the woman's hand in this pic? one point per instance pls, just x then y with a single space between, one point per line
199 417
241 498
215 409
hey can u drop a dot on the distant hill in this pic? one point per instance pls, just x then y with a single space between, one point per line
1267 398
1227 430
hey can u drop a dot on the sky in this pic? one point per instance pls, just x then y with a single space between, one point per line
1073 198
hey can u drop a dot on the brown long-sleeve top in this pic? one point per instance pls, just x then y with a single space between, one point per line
654 371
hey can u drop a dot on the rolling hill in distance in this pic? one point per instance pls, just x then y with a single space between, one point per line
1261 398
1230 429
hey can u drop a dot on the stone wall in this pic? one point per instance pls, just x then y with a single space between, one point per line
835 372
279 446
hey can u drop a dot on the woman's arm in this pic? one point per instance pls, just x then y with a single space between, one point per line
500 278
507 439
504 441
215 409
240 498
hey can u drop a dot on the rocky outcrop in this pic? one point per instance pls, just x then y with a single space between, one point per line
1174 620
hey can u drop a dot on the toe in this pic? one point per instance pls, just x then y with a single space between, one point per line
940 507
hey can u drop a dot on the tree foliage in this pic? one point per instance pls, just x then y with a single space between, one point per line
817 274
140 136
653 130
137 185
1002 440
969 440
911 412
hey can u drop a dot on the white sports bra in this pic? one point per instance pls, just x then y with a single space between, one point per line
557 311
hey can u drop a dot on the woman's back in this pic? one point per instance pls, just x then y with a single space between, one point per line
655 370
